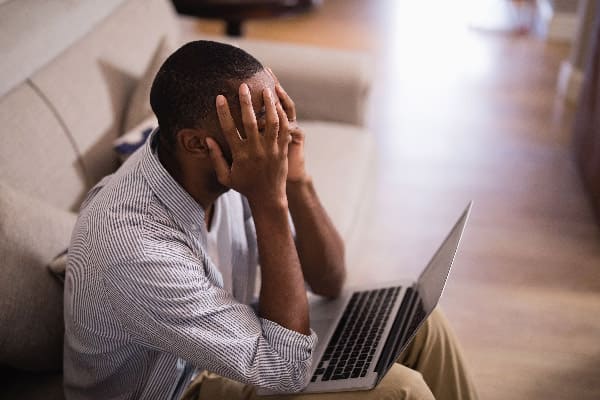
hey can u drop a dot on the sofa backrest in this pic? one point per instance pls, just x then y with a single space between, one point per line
61 111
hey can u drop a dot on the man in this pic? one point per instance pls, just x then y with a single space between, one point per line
164 254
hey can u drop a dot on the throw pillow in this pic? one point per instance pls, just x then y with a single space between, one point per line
139 104
31 299
135 138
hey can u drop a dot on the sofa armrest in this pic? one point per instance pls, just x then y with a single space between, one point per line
326 84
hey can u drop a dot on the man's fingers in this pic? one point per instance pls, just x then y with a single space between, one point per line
219 163
288 103
283 139
270 71
297 135
248 117
271 116
227 124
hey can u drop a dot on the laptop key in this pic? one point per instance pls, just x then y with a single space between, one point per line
328 374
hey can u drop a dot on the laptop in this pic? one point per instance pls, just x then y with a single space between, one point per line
363 332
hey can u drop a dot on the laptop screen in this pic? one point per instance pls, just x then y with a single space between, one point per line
429 288
433 279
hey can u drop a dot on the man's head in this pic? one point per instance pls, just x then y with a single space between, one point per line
185 88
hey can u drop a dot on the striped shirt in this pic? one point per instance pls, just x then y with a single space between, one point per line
145 305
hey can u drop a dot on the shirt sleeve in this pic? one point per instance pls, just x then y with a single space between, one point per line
167 302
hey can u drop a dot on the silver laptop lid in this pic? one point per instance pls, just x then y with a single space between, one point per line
429 288
433 279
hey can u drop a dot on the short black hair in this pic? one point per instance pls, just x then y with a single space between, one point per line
184 90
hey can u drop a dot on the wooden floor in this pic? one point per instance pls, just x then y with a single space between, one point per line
459 115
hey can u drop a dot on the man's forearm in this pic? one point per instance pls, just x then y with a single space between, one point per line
319 245
282 294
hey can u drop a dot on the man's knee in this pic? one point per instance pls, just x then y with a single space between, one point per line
438 333
435 330
436 326
402 383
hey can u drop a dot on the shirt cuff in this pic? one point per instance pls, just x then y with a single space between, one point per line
291 345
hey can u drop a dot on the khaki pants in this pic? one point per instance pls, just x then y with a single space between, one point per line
432 367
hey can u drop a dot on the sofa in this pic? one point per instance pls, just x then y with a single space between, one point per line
74 77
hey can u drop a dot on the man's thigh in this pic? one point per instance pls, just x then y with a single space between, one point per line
399 383
436 353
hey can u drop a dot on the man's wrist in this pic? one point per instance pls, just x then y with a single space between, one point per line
268 204
296 185
301 193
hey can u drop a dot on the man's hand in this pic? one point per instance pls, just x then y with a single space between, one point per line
259 172
259 167
296 168
319 245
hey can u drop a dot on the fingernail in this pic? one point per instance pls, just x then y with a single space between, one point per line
245 89
220 100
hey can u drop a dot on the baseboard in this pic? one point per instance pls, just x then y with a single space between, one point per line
570 82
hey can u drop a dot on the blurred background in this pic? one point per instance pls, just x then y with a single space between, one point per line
479 100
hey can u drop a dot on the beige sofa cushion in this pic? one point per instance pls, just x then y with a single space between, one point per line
326 84
36 155
139 108
32 233
343 156
90 83
33 32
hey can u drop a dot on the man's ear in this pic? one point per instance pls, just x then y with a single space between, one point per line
193 142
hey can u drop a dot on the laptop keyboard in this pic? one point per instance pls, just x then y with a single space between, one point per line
354 342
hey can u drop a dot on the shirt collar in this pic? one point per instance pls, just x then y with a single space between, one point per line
187 212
